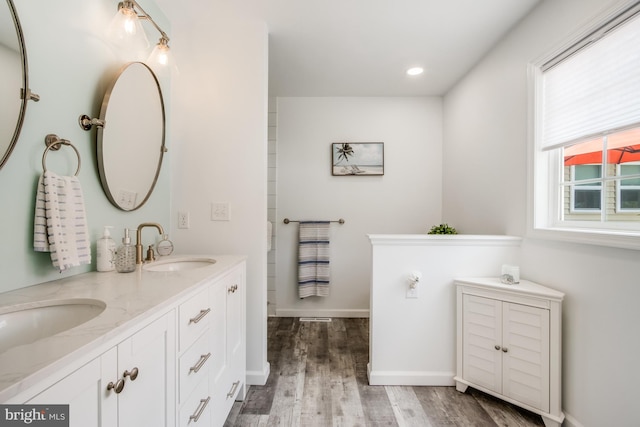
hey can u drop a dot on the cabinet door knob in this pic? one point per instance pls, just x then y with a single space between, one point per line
505 349
133 374
497 347
117 387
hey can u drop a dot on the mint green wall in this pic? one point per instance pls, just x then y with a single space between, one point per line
70 65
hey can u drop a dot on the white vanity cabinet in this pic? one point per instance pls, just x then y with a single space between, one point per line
168 350
212 367
194 363
131 384
509 343
229 332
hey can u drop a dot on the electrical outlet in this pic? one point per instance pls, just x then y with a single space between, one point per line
412 293
220 211
127 199
183 219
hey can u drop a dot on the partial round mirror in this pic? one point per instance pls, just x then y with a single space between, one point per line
13 79
131 143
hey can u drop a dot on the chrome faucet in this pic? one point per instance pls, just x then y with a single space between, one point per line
139 238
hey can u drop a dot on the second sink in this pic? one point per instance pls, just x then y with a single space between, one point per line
179 264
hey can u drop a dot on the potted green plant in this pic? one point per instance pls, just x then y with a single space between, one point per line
442 229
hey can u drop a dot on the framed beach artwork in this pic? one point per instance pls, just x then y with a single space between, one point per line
357 158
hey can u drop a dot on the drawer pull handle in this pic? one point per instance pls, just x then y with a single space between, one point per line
234 387
133 374
199 316
117 387
200 409
201 362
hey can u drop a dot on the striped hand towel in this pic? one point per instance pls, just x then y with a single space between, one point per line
60 224
313 259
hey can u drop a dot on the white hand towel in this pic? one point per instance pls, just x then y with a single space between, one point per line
60 224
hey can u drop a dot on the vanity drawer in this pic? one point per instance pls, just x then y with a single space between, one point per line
197 405
194 316
193 366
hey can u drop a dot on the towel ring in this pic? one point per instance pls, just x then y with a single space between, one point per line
54 143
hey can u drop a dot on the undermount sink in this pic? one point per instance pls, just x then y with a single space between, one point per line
179 264
29 322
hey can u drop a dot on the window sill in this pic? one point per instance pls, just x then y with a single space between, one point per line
607 238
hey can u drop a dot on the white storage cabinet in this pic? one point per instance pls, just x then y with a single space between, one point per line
509 343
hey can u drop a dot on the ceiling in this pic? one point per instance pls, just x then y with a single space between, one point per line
364 47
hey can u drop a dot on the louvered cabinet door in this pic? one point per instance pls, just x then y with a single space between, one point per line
525 346
482 332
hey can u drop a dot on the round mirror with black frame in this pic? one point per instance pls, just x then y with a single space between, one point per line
14 81
131 144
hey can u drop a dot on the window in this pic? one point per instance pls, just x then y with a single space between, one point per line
586 143
628 190
586 197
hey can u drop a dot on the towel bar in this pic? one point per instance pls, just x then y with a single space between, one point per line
287 221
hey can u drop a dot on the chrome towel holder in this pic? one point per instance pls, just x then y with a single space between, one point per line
54 143
287 221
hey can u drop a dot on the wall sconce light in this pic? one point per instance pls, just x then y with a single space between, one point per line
126 29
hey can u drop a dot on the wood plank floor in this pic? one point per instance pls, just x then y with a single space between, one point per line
319 378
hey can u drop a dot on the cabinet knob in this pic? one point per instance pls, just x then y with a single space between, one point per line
497 347
133 374
505 349
117 387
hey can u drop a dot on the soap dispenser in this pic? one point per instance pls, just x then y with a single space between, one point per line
106 251
126 255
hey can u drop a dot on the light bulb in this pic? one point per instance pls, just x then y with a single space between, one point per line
126 29
161 54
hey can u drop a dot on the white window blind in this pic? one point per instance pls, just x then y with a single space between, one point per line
595 91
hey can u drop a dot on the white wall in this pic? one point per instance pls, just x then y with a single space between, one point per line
70 65
413 341
405 200
485 167
220 130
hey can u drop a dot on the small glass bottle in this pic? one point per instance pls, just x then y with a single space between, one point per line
164 246
126 255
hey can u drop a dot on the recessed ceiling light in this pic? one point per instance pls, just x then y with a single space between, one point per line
415 71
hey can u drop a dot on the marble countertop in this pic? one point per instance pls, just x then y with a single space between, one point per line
130 298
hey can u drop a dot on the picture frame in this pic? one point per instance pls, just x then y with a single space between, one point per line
357 158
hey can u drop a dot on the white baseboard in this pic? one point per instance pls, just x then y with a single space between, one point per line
287 312
257 377
410 378
570 421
